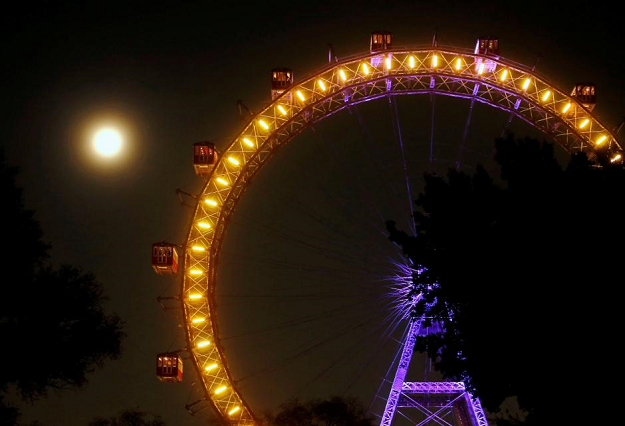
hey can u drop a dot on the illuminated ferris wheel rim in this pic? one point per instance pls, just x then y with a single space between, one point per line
450 72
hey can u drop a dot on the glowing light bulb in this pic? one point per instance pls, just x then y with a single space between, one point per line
195 272
248 142
321 85
203 344
198 320
601 140
504 75
300 95
480 69
526 83
584 123
343 75
434 61
234 410
282 110
365 69
195 296
616 158
210 367
204 225
263 124
389 63
458 64
211 202
198 249
411 61
222 181
220 390
234 161
546 96
566 108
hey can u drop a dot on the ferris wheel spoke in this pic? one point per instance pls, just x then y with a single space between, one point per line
400 140
433 116
375 163
309 348
465 134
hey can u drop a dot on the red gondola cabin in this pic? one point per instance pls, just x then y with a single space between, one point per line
380 41
164 258
281 80
169 367
585 94
486 46
204 157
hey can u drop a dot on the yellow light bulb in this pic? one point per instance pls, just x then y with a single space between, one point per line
389 63
584 123
546 96
504 75
198 248
411 61
234 161
480 69
263 124
458 64
248 142
526 83
203 344
220 390
365 69
282 110
211 202
234 410
616 158
343 75
601 140
222 181
210 367
434 61
195 296
566 108
321 85
195 272
300 95
198 320
204 225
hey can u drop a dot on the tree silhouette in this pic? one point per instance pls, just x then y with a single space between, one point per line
131 417
335 411
528 274
53 325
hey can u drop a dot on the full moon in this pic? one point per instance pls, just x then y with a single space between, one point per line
107 142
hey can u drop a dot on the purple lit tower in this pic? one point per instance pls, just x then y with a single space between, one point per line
441 403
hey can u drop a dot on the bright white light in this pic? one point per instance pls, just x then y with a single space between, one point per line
107 142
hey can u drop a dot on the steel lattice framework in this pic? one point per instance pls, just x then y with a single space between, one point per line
450 72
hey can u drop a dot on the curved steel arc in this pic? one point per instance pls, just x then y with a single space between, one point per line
361 79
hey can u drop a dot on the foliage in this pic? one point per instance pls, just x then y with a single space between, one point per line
129 417
526 272
52 321
335 411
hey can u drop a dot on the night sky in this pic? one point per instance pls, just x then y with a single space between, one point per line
305 240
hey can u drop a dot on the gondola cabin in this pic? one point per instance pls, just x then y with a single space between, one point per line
486 46
381 41
164 258
585 94
204 158
169 367
281 81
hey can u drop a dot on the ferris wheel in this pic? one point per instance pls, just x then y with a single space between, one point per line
478 75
